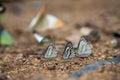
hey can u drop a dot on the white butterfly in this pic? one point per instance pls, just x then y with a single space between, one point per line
51 51
43 21
84 49
69 51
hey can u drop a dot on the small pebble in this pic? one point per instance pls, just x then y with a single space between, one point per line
85 31
115 43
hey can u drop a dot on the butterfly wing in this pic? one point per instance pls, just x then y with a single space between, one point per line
6 38
69 51
51 52
38 37
84 49
43 21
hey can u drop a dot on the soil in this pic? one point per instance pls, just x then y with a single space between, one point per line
22 60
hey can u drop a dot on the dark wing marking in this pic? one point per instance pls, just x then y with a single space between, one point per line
68 51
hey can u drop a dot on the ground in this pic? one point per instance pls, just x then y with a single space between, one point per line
100 15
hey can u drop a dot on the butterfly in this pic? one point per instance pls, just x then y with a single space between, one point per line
44 21
84 49
5 38
51 51
69 51
38 37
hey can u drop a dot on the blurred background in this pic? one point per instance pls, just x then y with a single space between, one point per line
100 13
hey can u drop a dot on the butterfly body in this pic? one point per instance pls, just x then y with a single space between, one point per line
69 51
84 49
51 52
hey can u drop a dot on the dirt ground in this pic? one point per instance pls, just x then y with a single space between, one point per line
22 60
